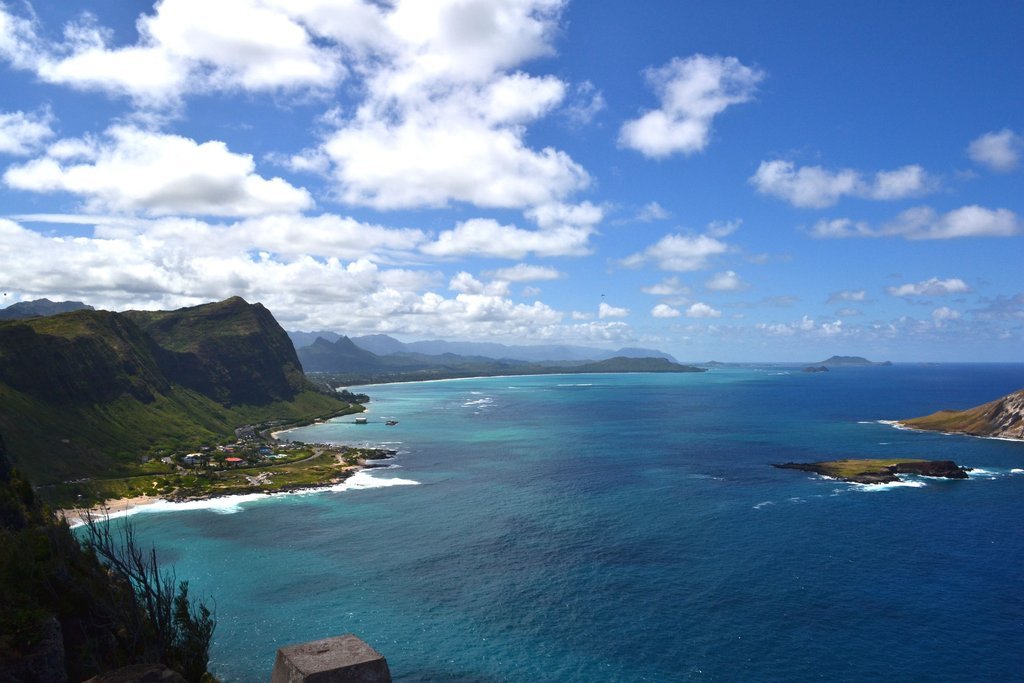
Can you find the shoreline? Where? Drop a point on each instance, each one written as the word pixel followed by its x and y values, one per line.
pixel 896 424
pixel 123 507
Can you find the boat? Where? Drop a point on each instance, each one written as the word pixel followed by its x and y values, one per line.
pixel 391 423
pixel 360 420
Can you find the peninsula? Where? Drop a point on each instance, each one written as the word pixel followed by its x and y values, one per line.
pixel 878 471
pixel 1002 419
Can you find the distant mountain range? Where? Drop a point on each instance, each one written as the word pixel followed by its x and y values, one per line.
pixel 41 307
pixel 350 363
pixel 384 345
pixel 90 393
pixel 836 361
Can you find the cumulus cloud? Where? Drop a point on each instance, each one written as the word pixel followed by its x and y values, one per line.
pixel 22 133
pixel 727 281
pixel 930 287
pixel 145 265
pixel 925 223
pixel 944 313
pixel 187 46
pixel 818 187
pixel 133 170
pixel 998 151
pixel 693 91
pixel 665 311
pixel 679 252
pixel 702 310
pixel 488 237
pixel 670 286
pixel 606 310
pixel 444 111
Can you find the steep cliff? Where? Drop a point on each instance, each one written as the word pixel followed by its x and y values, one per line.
pixel 92 393
pixel 1002 418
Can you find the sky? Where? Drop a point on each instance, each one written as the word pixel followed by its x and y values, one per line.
pixel 720 180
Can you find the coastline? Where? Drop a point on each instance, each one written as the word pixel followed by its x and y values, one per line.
pixel 352 477
pixel 897 424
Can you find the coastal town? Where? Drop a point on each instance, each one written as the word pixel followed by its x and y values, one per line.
pixel 256 461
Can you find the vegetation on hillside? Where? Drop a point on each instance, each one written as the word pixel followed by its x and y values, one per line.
pixel 69 612
pixel 95 393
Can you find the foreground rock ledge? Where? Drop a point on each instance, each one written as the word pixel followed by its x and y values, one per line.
pixel 879 471
pixel 343 659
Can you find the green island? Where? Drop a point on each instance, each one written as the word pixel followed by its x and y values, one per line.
pixel 879 470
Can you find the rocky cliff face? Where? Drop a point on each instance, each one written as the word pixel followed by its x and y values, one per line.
pixel 231 351
pixel 1003 418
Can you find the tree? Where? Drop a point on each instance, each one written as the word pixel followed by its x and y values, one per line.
pixel 171 628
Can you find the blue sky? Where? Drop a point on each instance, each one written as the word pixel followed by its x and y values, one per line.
pixel 720 180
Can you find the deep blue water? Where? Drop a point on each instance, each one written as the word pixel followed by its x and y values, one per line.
pixel 629 528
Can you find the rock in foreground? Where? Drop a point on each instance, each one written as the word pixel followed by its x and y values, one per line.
pixel 878 471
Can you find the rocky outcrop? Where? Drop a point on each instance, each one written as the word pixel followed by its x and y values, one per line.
pixel 1002 418
pixel 876 471
pixel 815 368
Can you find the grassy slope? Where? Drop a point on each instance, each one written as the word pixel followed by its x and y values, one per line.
pixel 972 421
pixel 111 439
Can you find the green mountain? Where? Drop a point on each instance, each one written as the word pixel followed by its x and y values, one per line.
pixel 40 307
pixel 1003 418
pixel 94 393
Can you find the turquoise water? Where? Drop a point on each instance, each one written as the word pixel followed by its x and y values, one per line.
pixel 629 528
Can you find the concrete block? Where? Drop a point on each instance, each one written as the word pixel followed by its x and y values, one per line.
pixel 343 659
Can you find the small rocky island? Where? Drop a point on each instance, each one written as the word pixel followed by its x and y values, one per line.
pixel 815 368
pixel 878 471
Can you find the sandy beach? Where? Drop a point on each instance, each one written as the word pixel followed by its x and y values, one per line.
pixel 111 508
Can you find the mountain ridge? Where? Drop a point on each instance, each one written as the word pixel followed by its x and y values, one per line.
pixel 91 393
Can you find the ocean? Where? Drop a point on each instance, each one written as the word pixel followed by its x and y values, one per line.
pixel 630 528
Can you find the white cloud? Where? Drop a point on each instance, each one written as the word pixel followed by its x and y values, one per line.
pixel 679 253
pixel 606 310
pixel 488 237
pixel 692 92
pixel 444 112
pixel 727 281
pixel 668 287
pixel 944 313
pixel 586 103
pixel 525 272
pixel 186 46
pixel 817 187
pixel 848 295
pixel 157 174
pixel 997 151
pixel 444 152
pixel 22 133
pixel 702 310
pixel 151 268
pixel 652 211
pixel 924 223
pixel 467 284
pixel 840 228
pixel 931 287
pixel 665 311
